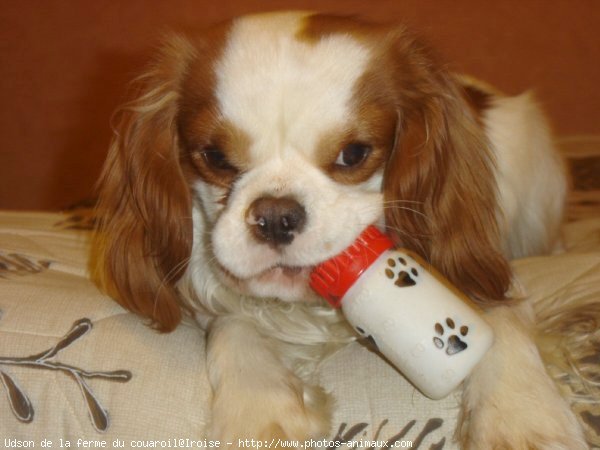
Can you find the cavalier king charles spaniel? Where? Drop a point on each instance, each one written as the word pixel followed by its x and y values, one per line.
pixel 260 147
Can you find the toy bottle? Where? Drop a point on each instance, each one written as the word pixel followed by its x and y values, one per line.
pixel 421 323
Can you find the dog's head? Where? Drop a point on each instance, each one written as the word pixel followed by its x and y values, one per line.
pixel 267 144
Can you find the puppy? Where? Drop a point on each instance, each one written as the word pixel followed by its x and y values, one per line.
pixel 258 148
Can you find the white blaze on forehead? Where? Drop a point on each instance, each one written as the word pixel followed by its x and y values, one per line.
pixel 283 91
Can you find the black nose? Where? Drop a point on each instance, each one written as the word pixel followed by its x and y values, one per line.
pixel 275 221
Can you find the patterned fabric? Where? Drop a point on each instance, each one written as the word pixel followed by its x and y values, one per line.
pixel 19 401
pixel 73 363
pixel 583 156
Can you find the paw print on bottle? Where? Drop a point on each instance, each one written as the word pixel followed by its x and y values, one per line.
pixel 449 338
pixel 401 273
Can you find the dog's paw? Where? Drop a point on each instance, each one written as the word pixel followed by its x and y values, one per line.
pixel 492 427
pixel 276 416
pixel 517 413
pixel 509 401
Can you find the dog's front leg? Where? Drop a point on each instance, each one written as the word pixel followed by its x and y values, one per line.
pixel 510 402
pixel 254 395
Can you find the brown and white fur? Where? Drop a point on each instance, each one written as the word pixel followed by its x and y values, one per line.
pixel 263 146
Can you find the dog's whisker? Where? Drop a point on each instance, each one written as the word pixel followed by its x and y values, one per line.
pixel 412 210
pixel 168 278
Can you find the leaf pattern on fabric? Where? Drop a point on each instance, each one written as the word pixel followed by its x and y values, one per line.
pixel 358 432
pixel 81 217
pixel 18 400
pixel 78 330
pixel 20 403
pixel 15 264
pixel 98 414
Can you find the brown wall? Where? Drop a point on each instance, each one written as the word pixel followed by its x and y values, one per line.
pixel 65 65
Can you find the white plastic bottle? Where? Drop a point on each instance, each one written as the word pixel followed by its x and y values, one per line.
pixel 421 323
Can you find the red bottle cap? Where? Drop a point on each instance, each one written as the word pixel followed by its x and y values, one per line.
pixel 332 279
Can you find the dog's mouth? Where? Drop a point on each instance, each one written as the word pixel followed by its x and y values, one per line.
pixel 283 273
pixel 288 283
pixel 276 270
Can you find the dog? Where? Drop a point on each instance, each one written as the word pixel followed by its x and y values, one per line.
pixel 258 148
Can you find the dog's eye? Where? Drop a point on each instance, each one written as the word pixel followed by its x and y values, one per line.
pixel 216 159
pixel 353 155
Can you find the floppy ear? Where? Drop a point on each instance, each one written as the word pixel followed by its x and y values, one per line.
pixel 144 235
pixel 439 183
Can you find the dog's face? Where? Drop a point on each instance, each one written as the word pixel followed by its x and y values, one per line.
pixel 283 136
pixel 289 151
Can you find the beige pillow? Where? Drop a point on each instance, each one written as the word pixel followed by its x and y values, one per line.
pixel 77 366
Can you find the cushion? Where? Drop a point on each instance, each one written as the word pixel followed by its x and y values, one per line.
pixel 76 366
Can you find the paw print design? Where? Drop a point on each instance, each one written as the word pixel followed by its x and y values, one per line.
pixel 368 338
pixel 452 342
pixel 399 270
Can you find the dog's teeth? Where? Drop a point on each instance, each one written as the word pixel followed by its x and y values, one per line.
pixel 291 270
pixel 288 271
